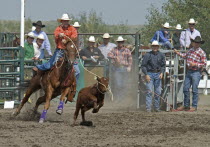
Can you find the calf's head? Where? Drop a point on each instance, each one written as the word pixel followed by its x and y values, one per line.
pixel 103 84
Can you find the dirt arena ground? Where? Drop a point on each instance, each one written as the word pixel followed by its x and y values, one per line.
pixel 114 126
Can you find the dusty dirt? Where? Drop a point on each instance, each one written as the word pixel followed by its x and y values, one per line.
pixel 114 127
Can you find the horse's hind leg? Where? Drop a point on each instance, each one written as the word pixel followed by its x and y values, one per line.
pixel 28 93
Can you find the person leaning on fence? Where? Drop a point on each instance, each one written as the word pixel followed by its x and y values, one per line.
pixel 38 47
pixel 107 45
pixel 60 40
pixel 190 33
pixel 121 60
pixel 176 37
pixel 91 55
pixel 46 44
pixel 80 41
pixel 80 45
pixel 28 46
pixel 196 61
pixel 163 37
pixel 153 66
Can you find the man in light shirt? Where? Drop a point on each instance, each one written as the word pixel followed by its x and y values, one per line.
pixel 190 33
pixel 38 47
pixel 46 43
pixel 107 46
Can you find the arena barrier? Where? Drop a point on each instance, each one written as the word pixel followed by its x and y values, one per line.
pixel 11 73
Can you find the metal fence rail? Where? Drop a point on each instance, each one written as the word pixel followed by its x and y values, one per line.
pixel 11 73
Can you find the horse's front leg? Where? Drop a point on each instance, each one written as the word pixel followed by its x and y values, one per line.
pixel 49 93
pixel 62 98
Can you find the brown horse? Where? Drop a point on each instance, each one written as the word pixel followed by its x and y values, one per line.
pixel 60 80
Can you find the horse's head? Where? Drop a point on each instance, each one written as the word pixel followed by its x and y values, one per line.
pixel 103 84
pixel 71 50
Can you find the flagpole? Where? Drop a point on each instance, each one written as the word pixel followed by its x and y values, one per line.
pixel 22 24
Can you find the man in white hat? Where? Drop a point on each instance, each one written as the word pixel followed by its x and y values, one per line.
pixel 176 37
pixel 153 66
pixel 163 37
pixel 46 44
pixel 91 55
pixel 107 45
pixel 65 29
pixel 38 47
pixel 28 46
pixel 80 41
pixel 189 34
pixel 121 59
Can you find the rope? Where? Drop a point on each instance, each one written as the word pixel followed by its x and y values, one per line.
pixel 157 95
pixel 108 88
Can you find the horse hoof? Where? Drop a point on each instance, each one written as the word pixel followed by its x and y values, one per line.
pixel 59 111
pixel 15 113
pixel 41 120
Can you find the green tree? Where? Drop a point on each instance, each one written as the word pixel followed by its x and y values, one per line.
pixel 180 11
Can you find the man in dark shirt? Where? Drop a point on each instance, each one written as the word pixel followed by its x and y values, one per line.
pixel 176 37
pixel 91 55
pixel 153 66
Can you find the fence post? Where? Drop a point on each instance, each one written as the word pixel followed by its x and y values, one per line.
pixel 22 53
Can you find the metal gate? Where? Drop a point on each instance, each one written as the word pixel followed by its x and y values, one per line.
pixel 11 73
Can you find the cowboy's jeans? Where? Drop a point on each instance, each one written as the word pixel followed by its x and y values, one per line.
pixel 42 54
pixel 56 56
pixel 77 71
pixel 191 79
pixel 120 78
pixel 156 83
pixel 168 45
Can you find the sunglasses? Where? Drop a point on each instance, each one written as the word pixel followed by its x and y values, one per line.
pixel 191 24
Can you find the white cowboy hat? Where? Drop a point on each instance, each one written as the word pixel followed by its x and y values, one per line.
pixel 106 35
pixel 40 36
pixel 33 28
pixel 91 39
pixel 192 21
pixel 178 27
pixel 64 17
pixel 30 34
pixel 76 25
pixel 166 25
pixel 155 43
pixel 120 38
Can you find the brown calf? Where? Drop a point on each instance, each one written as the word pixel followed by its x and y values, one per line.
pixel 91 97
